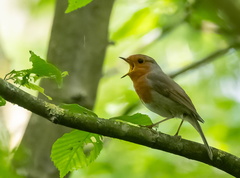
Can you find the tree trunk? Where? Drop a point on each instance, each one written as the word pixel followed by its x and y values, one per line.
pixel 77 45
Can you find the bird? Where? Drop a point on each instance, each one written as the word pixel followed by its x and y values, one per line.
pixel 162 95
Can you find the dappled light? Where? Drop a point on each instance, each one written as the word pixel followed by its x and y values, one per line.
pixel 195 42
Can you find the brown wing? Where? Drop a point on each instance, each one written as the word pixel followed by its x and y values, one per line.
pixel 167 87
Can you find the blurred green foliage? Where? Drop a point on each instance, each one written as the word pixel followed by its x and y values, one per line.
pixel 176 33
pixel 6 169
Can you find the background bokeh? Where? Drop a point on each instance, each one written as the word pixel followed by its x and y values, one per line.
pixel 176 33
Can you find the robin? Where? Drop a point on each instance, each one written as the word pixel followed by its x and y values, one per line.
pixel 162 95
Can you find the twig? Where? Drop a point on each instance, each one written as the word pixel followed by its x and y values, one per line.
pixel 205 60
pixel 143 136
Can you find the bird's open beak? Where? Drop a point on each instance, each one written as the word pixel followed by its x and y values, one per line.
pixel 131 66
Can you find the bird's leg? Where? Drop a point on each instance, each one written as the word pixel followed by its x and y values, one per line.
pixel 155 124
pixel 176 134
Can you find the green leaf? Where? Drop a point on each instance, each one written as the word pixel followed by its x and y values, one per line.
pixel 2 101
pixel 138 118
pixel 40 69
pixel 44 69
pixel 19 77
pixel 37 88
pixel 77 109
pixel 75 150
pixel 64 74
pixel 76 4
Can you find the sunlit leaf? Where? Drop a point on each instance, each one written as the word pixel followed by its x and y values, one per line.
pixel 141 22
pixel 76 4
pixel 64 74
pixel 19 77
pixel 75 150
pixel 2 101
pixel 77 109
pixel 37 88
pixel 138 118
pixel 42 68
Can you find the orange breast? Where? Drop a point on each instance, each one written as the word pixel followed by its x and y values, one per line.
pixel 143 89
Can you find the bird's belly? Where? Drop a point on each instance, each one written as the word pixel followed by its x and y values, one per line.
pixel 164 107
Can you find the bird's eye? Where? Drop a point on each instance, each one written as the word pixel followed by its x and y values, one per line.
pixel 140 61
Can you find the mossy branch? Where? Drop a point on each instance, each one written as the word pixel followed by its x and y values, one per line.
pixel 111 128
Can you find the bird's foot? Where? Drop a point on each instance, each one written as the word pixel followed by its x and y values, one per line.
pixel 155 125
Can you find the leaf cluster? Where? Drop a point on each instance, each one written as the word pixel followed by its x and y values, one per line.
pixel 40 69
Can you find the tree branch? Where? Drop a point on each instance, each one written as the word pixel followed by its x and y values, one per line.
pixel 143 136
pixel 205 60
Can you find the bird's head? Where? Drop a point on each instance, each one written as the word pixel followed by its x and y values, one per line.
pixel 139 65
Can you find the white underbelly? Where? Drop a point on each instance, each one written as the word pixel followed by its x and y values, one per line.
pixel 165 107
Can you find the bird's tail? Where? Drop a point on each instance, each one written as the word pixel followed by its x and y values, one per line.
pixel 197 126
